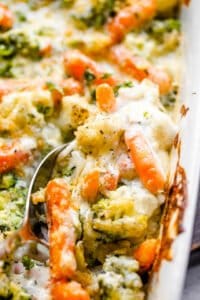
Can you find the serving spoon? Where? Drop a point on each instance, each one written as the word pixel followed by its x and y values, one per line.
pixel 32 229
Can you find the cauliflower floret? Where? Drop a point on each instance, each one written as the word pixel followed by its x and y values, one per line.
pixel 25 108
pixel 164 130
pixel 91 42
pixel 99 134
pixel 120 280
pixel 43 101
pixel 142 200
pixel 121 264
pixel 17 110
pixel 74 112
pixel 52 135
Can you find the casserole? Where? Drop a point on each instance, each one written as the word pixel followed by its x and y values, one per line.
pixel 103 136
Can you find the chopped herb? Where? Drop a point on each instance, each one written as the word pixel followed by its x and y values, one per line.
pixel 93 95
pixel 106 75
pixel 68 172
pixel 67 3
pixel 54 87
pixel 89 77
pixel 173 24
pixel 4 227
pixel 126 84
pixel 46 110
pixel 21 16
pixel 48 31
pixel 28 262
pixel 169 100
pixel 51 85
pixel 146 115
pixel 6 70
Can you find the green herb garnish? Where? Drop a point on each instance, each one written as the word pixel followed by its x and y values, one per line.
pixel 28 262
pixel 89 77
pixel 126 84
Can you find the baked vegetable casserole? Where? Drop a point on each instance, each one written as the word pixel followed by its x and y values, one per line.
pixel 102 76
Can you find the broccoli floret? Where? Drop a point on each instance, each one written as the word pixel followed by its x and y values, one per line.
pixel 97 15
pixel 5 67
pixel 119 280
pixel 12 203
pixel 10 290
pixel 7 181
pixel 118 219
pixel 158 28
pixel 14 43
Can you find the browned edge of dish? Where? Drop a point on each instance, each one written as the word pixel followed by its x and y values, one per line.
pixel 175 205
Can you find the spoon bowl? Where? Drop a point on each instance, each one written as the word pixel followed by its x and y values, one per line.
pixel 33 229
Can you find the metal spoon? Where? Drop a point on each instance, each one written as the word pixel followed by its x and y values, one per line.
pixel 32 229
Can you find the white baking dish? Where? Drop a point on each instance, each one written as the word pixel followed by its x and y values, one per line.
pixel 168 282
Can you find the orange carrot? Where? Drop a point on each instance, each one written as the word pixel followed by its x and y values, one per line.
pixel 71 86
pixel 76 64
pixel 61 229
pixel 91 186
pixel 126 168
pixel 105 98
pixel 66 87
pixel 139 68
pixel 110 181
pixel 58 194
pixel 6 17
pixel 145 253
pixel 131 17
pixel 106 79
pixel 145 160
pixel 161 78
pixel 72 290
pixel 11 156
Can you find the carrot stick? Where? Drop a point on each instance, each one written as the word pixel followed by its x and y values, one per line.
pixel 131 17
pixel 145 160
pixel 91 186
pixel 139 68
pixel 72 290
pixel 61 229
pixel 105 98
pixel 145 253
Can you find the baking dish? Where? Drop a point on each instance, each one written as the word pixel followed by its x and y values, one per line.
pixel 168 282
pixel 157 290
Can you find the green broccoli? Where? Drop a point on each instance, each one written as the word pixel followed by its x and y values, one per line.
pixel 118 219
pixel 10 290
pixel 119 280
pixel 97 15
pixel 158 28
pixel 12 204
pixel 7 180
pixel 13 43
